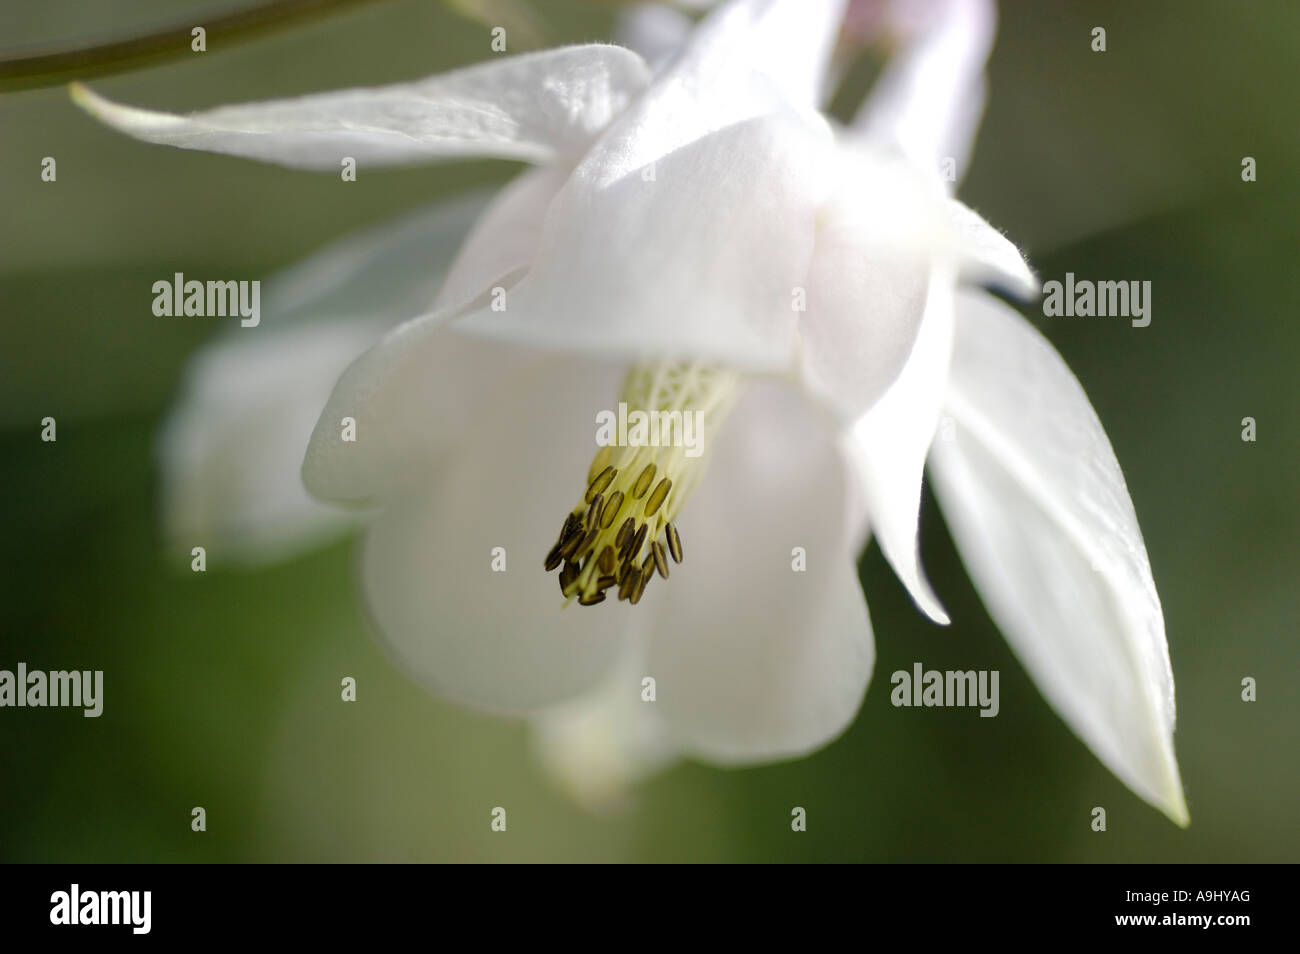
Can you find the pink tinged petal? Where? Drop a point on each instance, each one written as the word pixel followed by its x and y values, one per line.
pixel 889 444
pixel 535 107
pixel 928 101
pixel 498 640
pixel 1040 513
pixel 753 660
pixel 701 258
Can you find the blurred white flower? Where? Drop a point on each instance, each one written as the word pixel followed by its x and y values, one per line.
pixel 231 450
pixel 710 228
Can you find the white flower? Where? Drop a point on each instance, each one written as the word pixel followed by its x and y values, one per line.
pixel 672 224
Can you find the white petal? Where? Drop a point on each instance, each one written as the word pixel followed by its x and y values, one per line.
pixel 500 640
pixel 688 226
pixel 989 257
pixel 232 448
pixel 702 258
pixel 1040 512
pixel 599 746
pixel 865 303
pixel 748 59
pixel 928 100
pixel 387 273
pixel 890 442
pixel 891 203
pixel 504 241
pixel 413 397
pixel 882 232
pixel 534 107
pixel 754 660
pixel 888 205
pixel 422 365
pixel 757 50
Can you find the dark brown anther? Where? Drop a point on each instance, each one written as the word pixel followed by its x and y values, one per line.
pixel 674 544
pixel 612 507
pixel 643 481
pixel 571 546
pixel 657 497
pixel 625 533
pixel 598 463
pixel 591 599
pixel 660 558
pixel 568 575
pixel 605 562
pixel 574 531
pixel 642 579
pixel 603 480
pixel 625 551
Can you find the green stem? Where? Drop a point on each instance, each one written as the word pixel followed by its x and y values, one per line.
pixel 52 67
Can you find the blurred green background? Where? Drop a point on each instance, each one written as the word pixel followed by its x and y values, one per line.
pixel 222 688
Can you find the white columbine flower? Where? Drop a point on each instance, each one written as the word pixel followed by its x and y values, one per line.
pixel 704 239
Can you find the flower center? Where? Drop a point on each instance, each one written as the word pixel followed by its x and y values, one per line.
pixel 652 455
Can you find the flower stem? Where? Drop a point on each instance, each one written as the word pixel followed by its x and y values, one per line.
pixel 50 67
